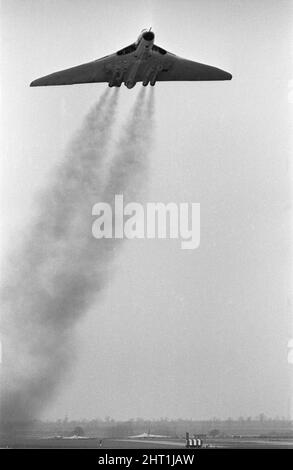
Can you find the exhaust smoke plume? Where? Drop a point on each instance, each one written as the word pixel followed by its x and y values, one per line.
pixel 130 163
pixel 60 268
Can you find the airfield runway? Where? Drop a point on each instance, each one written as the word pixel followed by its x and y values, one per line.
pixel 94 443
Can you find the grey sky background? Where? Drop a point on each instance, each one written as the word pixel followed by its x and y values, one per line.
pixel 177 333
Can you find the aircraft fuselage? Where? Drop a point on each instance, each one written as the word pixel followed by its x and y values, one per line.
pixel 130 64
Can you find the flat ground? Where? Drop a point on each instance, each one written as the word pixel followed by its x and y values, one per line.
pixel 228 443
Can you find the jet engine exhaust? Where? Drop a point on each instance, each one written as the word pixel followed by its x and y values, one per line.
pixel 51 279
pixel 128 172
pixel 60 269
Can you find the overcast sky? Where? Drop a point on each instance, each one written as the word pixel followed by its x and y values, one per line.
pixel 177 333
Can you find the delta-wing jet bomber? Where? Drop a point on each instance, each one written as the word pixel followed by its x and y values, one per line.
pixel 142 61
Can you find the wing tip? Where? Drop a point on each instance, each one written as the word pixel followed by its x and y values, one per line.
pixel 37 82
pixel 226 75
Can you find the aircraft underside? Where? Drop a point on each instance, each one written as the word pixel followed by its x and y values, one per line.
pixel 142 61
pixel 145 73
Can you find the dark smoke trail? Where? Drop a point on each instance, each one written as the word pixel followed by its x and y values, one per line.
pixel 47 288
pixel 61 268
pixel 130 162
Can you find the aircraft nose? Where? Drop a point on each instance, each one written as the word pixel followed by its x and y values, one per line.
pixel 148 36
